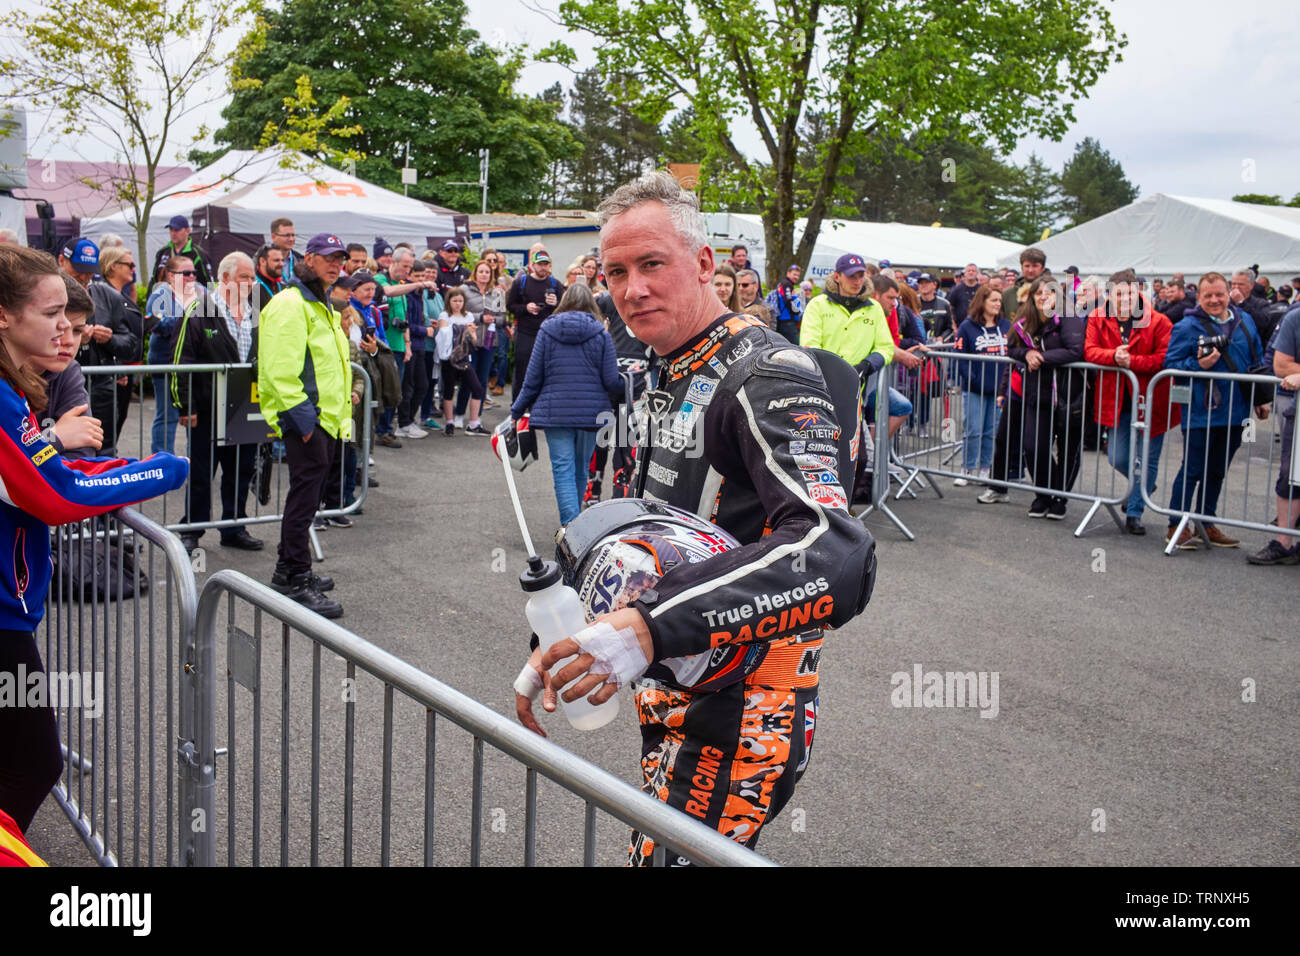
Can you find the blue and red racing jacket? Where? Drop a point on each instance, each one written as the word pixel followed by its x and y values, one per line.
pixel 39 488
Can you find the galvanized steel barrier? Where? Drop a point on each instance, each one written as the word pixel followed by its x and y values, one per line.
pixel 173 510
pixel 934 433
pixel 1203 470
pixel 307 798
pixel 122 788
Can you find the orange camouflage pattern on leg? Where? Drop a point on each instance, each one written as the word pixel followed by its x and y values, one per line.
pixel 766 730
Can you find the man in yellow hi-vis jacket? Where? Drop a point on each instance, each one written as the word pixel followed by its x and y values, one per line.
pixel 304 380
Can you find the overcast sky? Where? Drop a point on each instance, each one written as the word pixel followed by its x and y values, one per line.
pixel 1207 95
pixel 1204 87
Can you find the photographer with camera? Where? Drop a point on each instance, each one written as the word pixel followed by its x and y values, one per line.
pixel 1215 336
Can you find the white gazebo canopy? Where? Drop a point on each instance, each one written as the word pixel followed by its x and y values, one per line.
pixel 1162 234
pixel 252 188
pixel 933 247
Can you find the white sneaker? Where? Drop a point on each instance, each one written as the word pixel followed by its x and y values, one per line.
pixel 961 482
pixel 399 431
pixel 460 421
pixel 372 461
pixel 992 497
pixel 415 431
pixel 983 474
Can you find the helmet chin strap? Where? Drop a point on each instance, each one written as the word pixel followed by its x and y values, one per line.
pixel 519 510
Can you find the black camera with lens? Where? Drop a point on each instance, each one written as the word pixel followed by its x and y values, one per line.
pixel 1206 344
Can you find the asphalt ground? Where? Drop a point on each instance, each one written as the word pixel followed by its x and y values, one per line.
pixel 1146 710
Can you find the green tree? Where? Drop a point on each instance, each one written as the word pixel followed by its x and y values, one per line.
pixel 122 75
pixel 413 73
pixel 879 68
pixel 1032 202
pixel 615 142
pixel 1259 199
pixel 1093 183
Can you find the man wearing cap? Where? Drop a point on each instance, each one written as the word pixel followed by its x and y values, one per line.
pixel 787 304
pixel 935 311
pixel 450 272
pixel 178 227
pixel 304 379
pixel 531 299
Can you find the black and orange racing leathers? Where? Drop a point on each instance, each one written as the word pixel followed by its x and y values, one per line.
pixel 738 427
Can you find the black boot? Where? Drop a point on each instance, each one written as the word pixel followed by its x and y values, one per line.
pixel 300 588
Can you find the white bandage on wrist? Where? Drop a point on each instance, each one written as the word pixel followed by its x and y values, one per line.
pixel 528 683
pixel 617 653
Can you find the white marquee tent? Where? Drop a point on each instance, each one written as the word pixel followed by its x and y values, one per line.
pixel 934 247
pixel 1162 234
pixel 240 193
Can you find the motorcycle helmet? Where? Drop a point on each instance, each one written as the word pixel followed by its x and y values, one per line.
pixel 616 550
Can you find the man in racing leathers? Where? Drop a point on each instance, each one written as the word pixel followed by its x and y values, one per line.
pixel 740 430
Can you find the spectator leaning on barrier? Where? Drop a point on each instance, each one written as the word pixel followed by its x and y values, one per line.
pixel 904 334
pixel 109 340
pixel 303 378
pixel 181 244
pixel 1285 548
pixel 845 321
pixel 117 267
pixel 1043 341
pixel 1129 333
pixel 42 488
pixel 984 333
pixel 76 433
pixel 219 327
pixel 395 285
pixel 166 306
pixel 568 384
pixel 1218 410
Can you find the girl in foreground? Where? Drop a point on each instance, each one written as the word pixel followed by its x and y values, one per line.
pixel 39 488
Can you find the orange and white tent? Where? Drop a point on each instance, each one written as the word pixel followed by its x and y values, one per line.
pixel 244 190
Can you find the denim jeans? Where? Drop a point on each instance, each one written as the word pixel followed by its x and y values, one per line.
pixel 165 417
pixel 570 450
pixel 1118 455
pixel 1206 456
pixel 980 426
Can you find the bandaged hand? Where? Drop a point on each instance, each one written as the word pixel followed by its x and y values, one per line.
pixel 617 652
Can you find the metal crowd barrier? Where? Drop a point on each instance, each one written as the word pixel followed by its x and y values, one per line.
pixel 119 639
pixel 1248 490
pixel 135 439
pixel 345 796
pixel 929 443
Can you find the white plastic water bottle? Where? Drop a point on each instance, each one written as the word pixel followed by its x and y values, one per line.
pixel 555 612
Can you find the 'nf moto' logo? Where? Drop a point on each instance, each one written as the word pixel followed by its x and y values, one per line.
pixel 76 909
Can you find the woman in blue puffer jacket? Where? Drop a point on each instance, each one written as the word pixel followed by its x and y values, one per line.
pixel 567 386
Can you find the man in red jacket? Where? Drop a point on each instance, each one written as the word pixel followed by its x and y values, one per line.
pixel 1128 333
